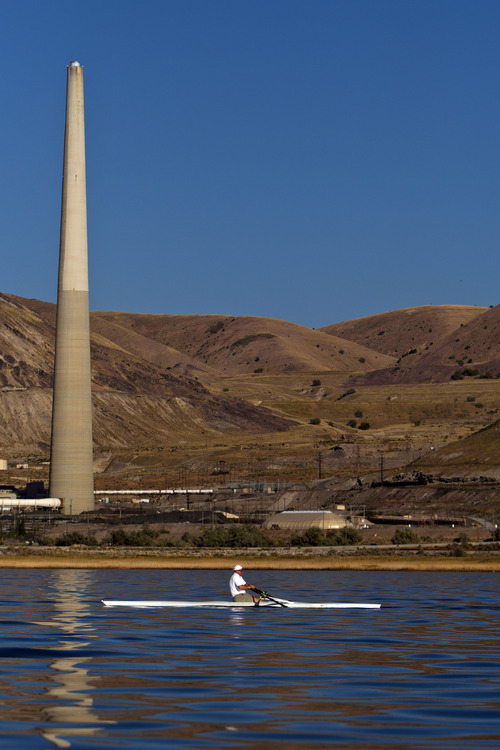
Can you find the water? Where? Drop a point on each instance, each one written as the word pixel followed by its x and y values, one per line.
pixel 423 672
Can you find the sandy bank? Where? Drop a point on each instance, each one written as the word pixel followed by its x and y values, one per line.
pixel 409 558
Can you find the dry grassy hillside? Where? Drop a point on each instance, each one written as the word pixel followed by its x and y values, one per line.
pixel 398 332
pixel 478 454
pixel 246 345
pixel 470 350
pixel 186 398
pixel 26 346
pixel 138 401
pixel 475 344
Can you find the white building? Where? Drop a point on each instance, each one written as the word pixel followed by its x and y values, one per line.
pixel 301 520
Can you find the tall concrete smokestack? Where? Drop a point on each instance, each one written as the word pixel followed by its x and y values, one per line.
pixel 71 470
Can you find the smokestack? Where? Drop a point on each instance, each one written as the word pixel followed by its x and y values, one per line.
pixel 71 468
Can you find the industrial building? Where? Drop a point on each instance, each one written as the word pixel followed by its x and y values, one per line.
pixel 22 503
pixel 301 520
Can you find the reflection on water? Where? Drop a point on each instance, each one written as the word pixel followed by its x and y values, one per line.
pixel 423 672
pixel 70 696
pixel 237 619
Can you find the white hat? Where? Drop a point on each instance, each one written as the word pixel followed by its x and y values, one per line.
pixel 237 567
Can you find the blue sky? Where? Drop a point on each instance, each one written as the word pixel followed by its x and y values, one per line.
pixel 312 160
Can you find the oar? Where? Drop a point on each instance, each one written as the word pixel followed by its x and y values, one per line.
pixel 265 595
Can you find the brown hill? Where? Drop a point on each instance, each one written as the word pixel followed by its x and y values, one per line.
pixel 195 391
pixel 470 350
pixel 245 345
pixel 474 456
pixel 125 339
pixel 137 400
pixel 475 344
pixel 398 332
pixel 26 348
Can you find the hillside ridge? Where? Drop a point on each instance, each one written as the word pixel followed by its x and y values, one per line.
pixel 209 395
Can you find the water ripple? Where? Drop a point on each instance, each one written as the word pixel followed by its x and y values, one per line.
pixel 423 672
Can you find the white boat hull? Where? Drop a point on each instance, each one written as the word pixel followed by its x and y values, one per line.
pixel 280 603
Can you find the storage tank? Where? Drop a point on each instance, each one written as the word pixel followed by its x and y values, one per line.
pixel 19 503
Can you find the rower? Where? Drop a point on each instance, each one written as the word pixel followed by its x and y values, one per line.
pixel 237 586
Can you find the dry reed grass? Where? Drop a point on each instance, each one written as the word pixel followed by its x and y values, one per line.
pixel 364 562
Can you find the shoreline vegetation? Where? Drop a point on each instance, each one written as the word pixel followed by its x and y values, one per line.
pixel 410 558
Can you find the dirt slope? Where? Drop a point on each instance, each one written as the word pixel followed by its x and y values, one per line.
pixel 400 331
pixel 247 344
pixel 478 454
pixel 469 350
pixel 198 388
pixel 137 400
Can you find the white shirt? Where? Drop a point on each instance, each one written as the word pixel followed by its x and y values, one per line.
pixel 235 581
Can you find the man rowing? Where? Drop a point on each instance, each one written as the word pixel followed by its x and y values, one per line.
pixel 238 587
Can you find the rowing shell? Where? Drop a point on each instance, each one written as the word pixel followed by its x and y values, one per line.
pixel 264 603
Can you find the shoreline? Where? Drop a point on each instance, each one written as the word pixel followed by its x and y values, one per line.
pixel 222 559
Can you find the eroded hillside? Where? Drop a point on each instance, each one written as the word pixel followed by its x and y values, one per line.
pixel 137 400
pixel 399 332
pixel 470 350
pixel 246 345
pixel 193 397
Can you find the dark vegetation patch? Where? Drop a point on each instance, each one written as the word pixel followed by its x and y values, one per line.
pixel 216 327
pixel 315 537
pixel 253 337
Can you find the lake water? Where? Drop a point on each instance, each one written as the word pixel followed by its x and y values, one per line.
pixel 422 672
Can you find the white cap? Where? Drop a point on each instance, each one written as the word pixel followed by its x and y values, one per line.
pixel 237 567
